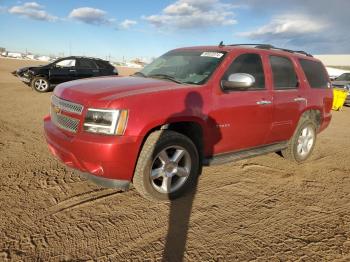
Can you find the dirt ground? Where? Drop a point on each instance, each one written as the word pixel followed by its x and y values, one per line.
pixel 262 209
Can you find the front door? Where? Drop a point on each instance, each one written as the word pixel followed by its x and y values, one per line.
pixel 243 117
pixel 63 71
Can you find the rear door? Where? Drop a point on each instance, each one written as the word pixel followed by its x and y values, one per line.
pixel 62 71
pixel 86 68
pixel 288 98
pixel 243 117
pixel 105 68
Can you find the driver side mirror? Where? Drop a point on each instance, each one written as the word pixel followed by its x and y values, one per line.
pixel 238 81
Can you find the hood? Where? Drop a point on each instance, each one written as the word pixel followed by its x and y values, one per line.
pixel 104 90
pixel 340 83
pixel 22 69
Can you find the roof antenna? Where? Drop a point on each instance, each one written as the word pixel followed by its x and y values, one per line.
pixel 221 44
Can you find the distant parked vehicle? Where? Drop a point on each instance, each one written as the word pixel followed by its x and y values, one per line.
pixel 343 81
pixel 45 78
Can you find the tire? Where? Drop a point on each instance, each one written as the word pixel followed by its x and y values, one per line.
pixel 166 155
pixel 303 141
pixel 40 84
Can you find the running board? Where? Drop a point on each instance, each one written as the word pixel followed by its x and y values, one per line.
pixel 244 154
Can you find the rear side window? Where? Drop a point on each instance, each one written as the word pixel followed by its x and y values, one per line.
pixel 315 73
pixel 103 64
pixel 284 76
pixel 86 63
pixel 249 64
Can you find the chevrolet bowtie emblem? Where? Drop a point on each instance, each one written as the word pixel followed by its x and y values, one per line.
pixel 57 109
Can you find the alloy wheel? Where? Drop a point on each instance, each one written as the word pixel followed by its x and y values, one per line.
pixel 41 85
pixel 170 169
pixel 305 141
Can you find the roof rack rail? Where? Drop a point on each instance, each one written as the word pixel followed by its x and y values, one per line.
pixel 267 46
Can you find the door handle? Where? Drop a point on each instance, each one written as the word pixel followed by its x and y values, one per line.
pixel 71 70
pixel 263 102
pixel 95 70
pixel 298 99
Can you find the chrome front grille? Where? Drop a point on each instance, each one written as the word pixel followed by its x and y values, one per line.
pixel 67 106
pixel 58 107
pixel 65 122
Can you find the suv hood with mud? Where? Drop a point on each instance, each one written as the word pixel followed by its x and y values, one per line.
pixel 107 89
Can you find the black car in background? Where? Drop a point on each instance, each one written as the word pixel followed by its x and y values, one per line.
pixel 45 78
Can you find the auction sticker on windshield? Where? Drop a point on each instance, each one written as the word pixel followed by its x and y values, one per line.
pixel 212 54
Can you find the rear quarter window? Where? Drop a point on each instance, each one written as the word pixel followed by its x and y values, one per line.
pixel 315 73
pixel 103 64
pixel 86 63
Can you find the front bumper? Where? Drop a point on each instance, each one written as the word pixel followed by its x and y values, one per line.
pixel 106 182
pixel 107 160
pixel 24 79
pixel 347 100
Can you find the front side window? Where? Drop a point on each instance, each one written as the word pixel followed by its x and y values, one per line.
pixel 192 67
pixel 248 64
pixel 315 73
pixel 284 76
pixel 66 63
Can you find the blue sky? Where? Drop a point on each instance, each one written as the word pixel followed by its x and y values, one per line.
pixel 148 28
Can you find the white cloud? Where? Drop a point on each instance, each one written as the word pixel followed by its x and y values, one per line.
pixel 287 26
pixel 126 24
pixel 32 10
pixel 185 14
pixel 332 16
pixel 33 5
pixel 90 15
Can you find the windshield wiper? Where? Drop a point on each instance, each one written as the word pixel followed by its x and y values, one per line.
pixel 163 76
pixel 139 74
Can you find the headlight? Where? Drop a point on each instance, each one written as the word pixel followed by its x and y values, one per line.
pixel 347 87
pixel 108 122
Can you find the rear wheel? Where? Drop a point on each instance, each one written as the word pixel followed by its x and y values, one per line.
pixel 167 167
pixel 302 143
pixel 40 84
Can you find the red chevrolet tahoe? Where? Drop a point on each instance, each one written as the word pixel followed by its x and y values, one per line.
pixel 190 107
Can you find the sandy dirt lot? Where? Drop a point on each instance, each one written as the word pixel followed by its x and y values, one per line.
pixel 262 209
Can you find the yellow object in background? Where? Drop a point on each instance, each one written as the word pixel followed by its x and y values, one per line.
pixel 339 96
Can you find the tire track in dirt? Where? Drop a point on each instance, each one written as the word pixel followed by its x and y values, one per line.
pixel 81 200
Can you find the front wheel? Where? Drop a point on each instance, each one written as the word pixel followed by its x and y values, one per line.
pixel 167 167
pixel 40 84
pixel 302 143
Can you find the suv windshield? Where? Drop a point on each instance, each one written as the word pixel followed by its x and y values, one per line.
pixel 191 67
pixel 343 77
